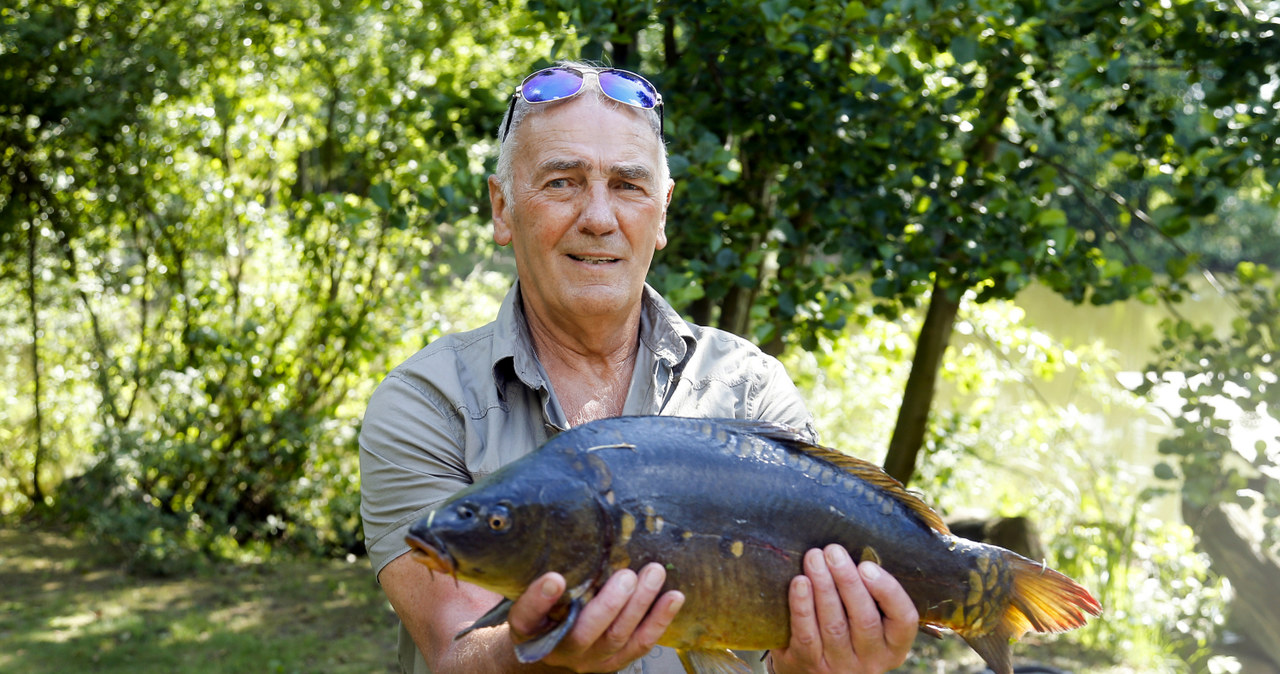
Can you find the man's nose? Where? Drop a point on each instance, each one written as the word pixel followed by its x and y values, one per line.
pixel 597 216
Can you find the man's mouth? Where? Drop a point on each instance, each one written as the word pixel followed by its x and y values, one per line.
pixel 593 259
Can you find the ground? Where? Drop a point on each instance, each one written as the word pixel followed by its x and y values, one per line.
pixel 63 609
pixel 60 611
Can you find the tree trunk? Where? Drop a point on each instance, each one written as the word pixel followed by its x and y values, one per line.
pixel 913 416
pixel 701 310
pixel 33 306
pixel 735 311
pixel 1234 543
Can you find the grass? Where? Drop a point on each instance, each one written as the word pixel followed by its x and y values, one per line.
pixel 64 610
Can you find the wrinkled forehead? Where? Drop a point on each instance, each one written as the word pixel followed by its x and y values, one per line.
pixel 585 125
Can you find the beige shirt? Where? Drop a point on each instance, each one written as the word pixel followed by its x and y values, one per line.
pixel 471 402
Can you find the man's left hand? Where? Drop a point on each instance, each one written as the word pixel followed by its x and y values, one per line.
pixel 836 621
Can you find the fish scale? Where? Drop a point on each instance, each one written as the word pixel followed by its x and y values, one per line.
pixel 729 508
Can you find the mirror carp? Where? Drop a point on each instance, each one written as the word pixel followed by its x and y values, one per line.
pixel 729 507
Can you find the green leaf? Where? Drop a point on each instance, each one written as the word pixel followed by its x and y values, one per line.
pixel 381 195
pixel 964 49
pixel 1052 217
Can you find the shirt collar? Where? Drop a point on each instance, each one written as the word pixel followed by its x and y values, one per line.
pixel 662 331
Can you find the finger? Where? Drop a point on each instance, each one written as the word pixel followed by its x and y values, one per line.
pixel 834 650
pixel 649 582
pixel 830 608
pixel 657 613
pixel 657 621
pixel 861 610
pixel 528 614
pixel 804 619
pixel 803 652
pixel 601 611
pixel 901 618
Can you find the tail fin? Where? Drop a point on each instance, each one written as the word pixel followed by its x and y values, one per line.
pixel 1041 600
pixel 1045 600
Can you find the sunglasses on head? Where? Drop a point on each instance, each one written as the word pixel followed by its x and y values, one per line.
pixel 560 82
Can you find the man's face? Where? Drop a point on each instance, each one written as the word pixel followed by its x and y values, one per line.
pixel 587 210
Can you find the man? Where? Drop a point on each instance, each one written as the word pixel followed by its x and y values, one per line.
pixel 581 195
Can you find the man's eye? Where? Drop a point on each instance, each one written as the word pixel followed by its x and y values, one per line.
pixel 558 183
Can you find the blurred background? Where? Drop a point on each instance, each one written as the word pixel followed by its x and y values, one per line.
pixel 1017 251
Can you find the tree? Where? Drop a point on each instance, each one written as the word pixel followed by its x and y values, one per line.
pixel 225 203
pixel 936 148
pixel 1230 490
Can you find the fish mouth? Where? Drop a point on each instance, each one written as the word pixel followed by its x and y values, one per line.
pixel 431 554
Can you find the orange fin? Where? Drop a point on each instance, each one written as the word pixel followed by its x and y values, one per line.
pixel 864 470
pixel 1040 600
pixel 1047 600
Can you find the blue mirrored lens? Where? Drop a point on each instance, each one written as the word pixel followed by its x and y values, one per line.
pixel 551 84
pixel 629 88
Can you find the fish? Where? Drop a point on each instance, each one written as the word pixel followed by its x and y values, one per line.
pixel 729 507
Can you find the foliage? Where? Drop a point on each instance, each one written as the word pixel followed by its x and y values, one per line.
pixel 945 147
pixel 220 223
pixel 1226 441
pixel 1034 427
pixel 219 226
pixel 984 143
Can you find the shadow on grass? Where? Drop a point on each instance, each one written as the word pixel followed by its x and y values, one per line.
pixel 62 609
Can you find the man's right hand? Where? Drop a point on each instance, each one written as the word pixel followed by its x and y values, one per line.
pixel 613 629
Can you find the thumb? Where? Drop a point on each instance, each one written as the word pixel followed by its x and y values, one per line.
pixel 529 612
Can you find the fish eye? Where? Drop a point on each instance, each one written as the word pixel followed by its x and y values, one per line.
pixel 499 518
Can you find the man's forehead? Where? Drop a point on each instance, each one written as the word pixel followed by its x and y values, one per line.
pixel 586 134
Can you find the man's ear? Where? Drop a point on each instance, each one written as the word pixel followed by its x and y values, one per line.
pixel 498 204
pixel 662 224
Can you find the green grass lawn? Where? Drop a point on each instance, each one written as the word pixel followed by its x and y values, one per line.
pixel 62 611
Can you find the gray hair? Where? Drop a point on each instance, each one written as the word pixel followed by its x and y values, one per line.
pixel 507 146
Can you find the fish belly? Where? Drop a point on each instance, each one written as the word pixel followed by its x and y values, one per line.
pixel 735 593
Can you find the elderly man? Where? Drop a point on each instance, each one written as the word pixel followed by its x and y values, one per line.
pixel 581 195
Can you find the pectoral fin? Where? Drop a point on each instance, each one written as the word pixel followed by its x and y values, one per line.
pixel 494 617
pixel 869 554
pixel 538 647
pixel 713 662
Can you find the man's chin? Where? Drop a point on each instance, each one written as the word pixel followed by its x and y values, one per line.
pixel 603 301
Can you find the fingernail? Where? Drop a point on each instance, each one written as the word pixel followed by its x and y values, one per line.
pixel 836 556
pixel 628 581
pixel 676 602
pixel 870 570
pixel 549 588
pixel 802 589
pixel 653 578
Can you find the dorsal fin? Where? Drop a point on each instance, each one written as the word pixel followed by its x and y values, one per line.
pixel 864 470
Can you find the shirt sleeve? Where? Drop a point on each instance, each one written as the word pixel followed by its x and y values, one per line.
pixel 779 401
pixel 411 459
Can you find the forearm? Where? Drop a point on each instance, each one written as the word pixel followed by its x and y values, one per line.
pixel 486 651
